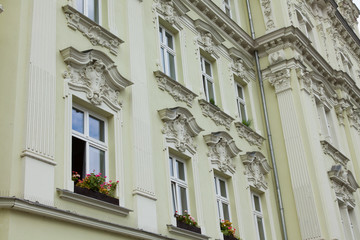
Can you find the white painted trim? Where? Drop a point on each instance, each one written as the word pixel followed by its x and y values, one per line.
pixel 36 156
pixel 186 233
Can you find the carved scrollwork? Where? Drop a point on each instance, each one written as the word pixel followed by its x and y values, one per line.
pixel 267 13
pixel 171 10
pixel 215 113
pixel 250 135
pixel 256 167
pixel 222 150
pixel 336 155
pixel 208 38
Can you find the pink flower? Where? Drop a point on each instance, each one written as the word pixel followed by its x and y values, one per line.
pixel 117 181
pixel 105 177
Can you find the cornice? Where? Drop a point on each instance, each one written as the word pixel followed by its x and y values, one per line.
pixel 174 88
pixel 250 135
pixel 216 114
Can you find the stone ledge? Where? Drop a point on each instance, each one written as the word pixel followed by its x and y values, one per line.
pixel 250 135
pixel 216 114
pixel 335 154
pixel 92 202
pixel 186 233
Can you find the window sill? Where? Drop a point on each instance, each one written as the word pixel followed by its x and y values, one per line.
pixel 334 153
pixel 96 34
pixel 186 233
pixel 174 88
pixel 215 113
pixel 92 202
pixel 250 135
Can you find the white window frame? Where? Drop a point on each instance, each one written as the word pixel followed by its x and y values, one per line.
pixel 258 214
pixel 205 78
pixel 165 62
pixel 177 183
pixel 220 200
pixel 86 9
pixel 241 101
pixel 89 141
pixel 227 6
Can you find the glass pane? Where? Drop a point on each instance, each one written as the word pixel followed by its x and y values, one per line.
pixel 204 84
pixel 260 228
pixel 77 120
pixel 240 92
pixel 96 11
pixel 243 113
pixel 226 211
pixel 216 188
pixel 183 199
pixel 171 66
pixel 96 160
pixel 171 167
pixel 93 10
pixel 160 34
pixel 208 69
pixel 181 170
pixel 96 128
pixel 223 188
pixel 169 40
pixel 211 91
pixel 202 62
pixel 227 11
pixel 163 59
pixel 80 6
pixel 218 205
pixel 257 203
pixel 173 193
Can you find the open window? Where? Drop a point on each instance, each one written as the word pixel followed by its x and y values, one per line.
pixel 208 80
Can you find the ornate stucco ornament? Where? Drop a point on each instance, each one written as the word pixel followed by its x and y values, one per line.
pixel 349 11
pixel 250 135
pixel 340 109
pixel 305 80
pixel 335 154
pixel 215 113
pixel 268 16
pixel 239 64
pixel 281 80
pixel 353 114
pixel 171 10
pixel 343 183
pixel 174 88
pixel 94 73
pixel 222 150
pixel 208 38
pixel 180 128
pixel 256 167
pixel 96 34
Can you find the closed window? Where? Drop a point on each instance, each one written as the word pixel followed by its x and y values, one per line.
pixel 227 9
pixel 240 99
pixel 90 8
pixel 258 216
pixel 208 80
pixel 179 186
pixel 167 52
pixel 89 143
pixel 222 198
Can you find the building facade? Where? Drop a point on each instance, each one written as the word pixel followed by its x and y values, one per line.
pixel 237 110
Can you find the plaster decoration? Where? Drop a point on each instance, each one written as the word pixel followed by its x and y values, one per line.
pixel 343 183
pixel 170 10
pixel 268 16
pixel 208 37
pixel 276 56
pixel 180 128
pixel 96 34
pixel 256 167
pixel 238 68
pixel 250 135
pixel 215 113
pixel 349 11
pixel 94 73
pixel 174 88
pixel 354 117
pixel 222 150
pixel 305 80
pixel 340 109
pixel 335 154
pixel 280 80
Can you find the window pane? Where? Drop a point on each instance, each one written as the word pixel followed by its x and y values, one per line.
pixel 205 90
pixel 183 199
pixel 243 113
pixel 163 59
pixel 171 166
pixel 208 69
pixel 257 203
pixel 96 160
pixel 160 34
pixel 216 188
pixel 173 194
pixel 211 90
pixel 260 228
pixel 240 92
pixel 226 211
pixel 77 120
pixel 96 128
pixel 80 5
pixel 169 40
pixel 222 188
pixel 181 170
pixel 93 10
pixel 218 205
pixel 171 66
pixel 78 156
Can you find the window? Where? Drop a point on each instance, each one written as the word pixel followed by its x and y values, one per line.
pixel 258 216
pixel 240 99
pixel 305 27
pixel 90 8
pixel 178 184
pixel 208 81
pixel 227 9
pixel 347 65
pixel 222 198
pixel 167 52
pixel 326 124
pixel 89 144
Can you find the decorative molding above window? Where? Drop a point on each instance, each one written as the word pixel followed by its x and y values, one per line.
pixel 84 200
pixel 256 167
pixel 215 113
pixel 171 10
pixel 180 128
pixel 222 150
pixel 186 233
pixel 209 38
pixel 354 117
pixel 94 73
pixel 268 16
pixel 174 88
pixel 343 183
pixel 340 109
pixel 93 31
pixel 336 155
pixel 250 135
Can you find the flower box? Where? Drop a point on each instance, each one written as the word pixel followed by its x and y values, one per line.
pixel 230 237
pixel 96 195
pixel 185 226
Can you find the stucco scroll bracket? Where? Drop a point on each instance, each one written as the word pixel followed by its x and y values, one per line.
pixel 216 114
